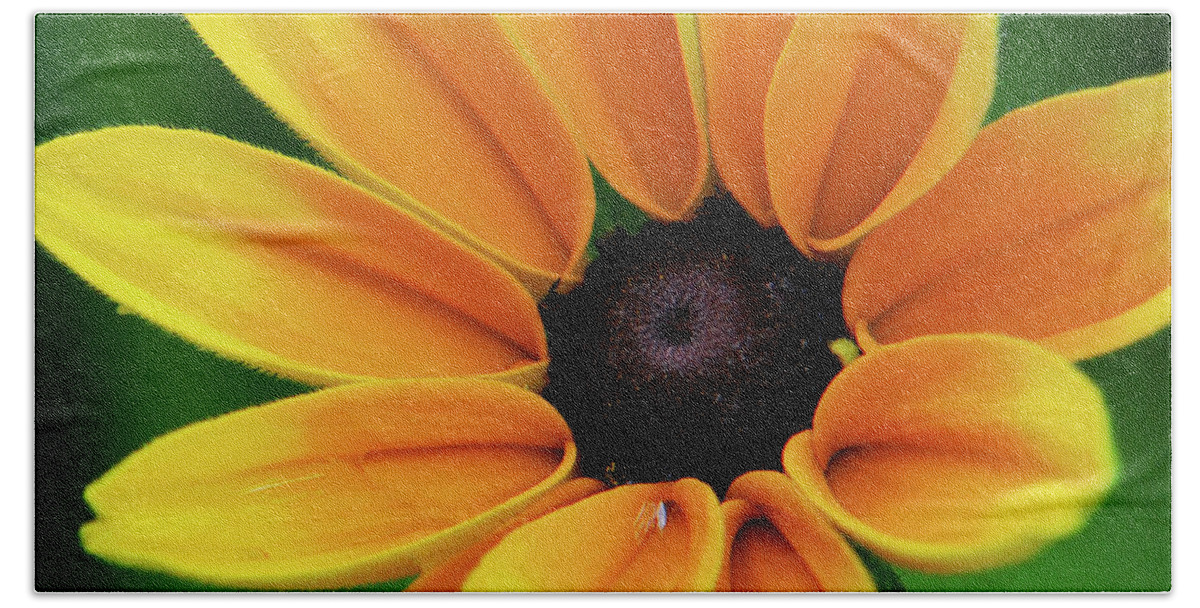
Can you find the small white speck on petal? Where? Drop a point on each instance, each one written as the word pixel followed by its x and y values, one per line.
pixel 652 515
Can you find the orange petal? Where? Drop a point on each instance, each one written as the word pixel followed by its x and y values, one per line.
pixel 336 488
pixel 956 453
pixel 271 261
pixel 739 53
pixel 436 113
pixel 866 112
pixel 776 540
pixel 648 537
pixel 630 87
pixel 450 576
pixel 1055 227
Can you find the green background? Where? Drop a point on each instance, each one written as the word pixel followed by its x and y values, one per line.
pixel 107 382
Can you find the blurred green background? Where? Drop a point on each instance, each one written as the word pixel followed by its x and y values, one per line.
pixel 107 382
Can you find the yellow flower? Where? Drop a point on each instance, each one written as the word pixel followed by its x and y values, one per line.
pixel 979 264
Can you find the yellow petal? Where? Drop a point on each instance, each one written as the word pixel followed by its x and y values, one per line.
pixel 648 537
pixel 450 575
pixel 740 52
pixel 1055 227
pixel 630 87
pixel 336 488
pixel 271 261
pixel 956 453
pixel 436 113
pixel 866 112
pixel 776 540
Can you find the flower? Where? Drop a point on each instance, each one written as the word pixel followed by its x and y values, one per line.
pixel 317 490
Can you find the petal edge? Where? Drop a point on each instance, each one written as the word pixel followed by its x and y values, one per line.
pixel 317 491
pixel 271 261
pixel 957 453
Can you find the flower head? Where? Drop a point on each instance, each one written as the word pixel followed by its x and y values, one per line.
pixel 962 439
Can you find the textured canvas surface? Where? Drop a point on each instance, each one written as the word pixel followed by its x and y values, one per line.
pixel 773 302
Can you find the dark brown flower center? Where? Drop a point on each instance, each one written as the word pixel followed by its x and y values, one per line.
pixel 693 349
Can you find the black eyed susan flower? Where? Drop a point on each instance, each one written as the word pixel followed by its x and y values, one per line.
pixel 976 266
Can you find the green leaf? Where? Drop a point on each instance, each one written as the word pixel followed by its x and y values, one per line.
pixel 95 71
pixel 613 211
pixel 1045 55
